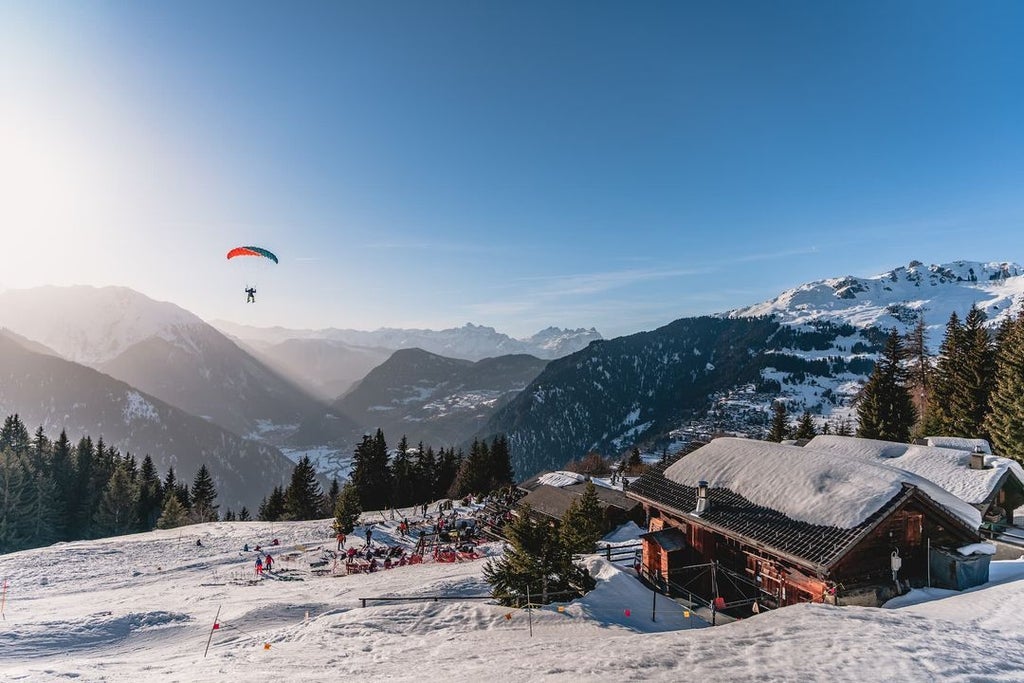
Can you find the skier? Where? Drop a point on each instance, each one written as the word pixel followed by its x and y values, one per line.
pixel 341 541
pixel 250 295
pixel 259 566
pixel 369 536
pixel 268 561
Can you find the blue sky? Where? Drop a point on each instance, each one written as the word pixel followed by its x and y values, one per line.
pixel 519 165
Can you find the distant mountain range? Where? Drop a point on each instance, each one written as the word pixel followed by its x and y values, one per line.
pixel 59 394
pixel 437 400
pixel 469 342
pixel 556 395
pixel 813 346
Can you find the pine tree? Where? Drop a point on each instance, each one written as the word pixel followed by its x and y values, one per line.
pixel 938 417
pixel 273 508
pixel 173 514
pixel 303 498
pixel 780 422
pixel 370 472
pixel 43 521
pixel 973 378
pixel 64 478
pixel 41 452
pixel 14 436
pixel 448 466
pixel 885 410
pixel 401 476
pixel 119 505
pixel 919 368
pixel 243 515
pixel 204 493
pixel 151 495
pixel 85 493
pixel 1005 422
pixel 582 525
pixel 15 531
pixel 805 427
pixel 474 474
pixel 501 473
pixel 535 562
pixel 425 479
pixel 229 516
pixel 347 509
pixel 331 499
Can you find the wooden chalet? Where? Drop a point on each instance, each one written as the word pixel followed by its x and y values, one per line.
pixel 550 494
pixel 785 524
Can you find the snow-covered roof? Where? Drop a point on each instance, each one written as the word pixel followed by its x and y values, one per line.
pixel 560 479
pixel 948 468
pixel 959 443
pixel 805 484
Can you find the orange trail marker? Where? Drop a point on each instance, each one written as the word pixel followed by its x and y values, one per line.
pixel 266 646
pixel 216 625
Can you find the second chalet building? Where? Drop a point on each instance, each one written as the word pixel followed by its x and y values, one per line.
pixel 790 524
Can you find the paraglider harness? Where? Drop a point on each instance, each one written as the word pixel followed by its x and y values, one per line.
pixel 250 295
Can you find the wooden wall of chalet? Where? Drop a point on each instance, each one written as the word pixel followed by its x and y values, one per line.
pixel 907 529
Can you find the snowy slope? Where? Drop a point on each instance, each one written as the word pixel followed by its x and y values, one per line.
pixel 894 299
pixel 141 608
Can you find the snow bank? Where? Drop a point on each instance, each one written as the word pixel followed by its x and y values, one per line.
pixel 806 484
pixel 560 479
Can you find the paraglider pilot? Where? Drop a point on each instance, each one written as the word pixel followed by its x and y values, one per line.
pixel 250 295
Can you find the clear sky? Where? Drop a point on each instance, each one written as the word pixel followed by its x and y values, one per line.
pixel 515 164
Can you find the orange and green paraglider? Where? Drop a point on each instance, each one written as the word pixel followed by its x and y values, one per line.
pixel 261 255
pixel 252 251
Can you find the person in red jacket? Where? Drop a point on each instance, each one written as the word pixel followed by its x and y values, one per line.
pixel 268 562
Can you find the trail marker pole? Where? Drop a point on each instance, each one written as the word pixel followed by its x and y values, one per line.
pixel 529 610
pixel 216 625
pixel 3 600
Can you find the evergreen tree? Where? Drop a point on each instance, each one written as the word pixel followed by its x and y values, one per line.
pixel 85 492
pixel 501 473
pixel 919 368
pixel 273 508
pixel 62 462
pixel 474 474
pixel 331 499
pixel 41 452
pixel 844 428
pixel 938 417
pixel 973 378
pixel 370 472
pixel 229 516
pixel 14 436
pixel 15 527
pixel 1005 422
pixel 204 493
pixel 151 495
pixel 43 521
pixel 402 476
pixel 535 562
pixel 634 463
pixel 425 475
pixel 582 525
pixel 347 509
pixel 303 498
pixel 448 465
pixel 780 422
pixel 119 505
pixel 243 515
pixel 173 514
pixel 805 427
pixel 885 410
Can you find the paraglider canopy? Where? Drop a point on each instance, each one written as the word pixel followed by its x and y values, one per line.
pixel 252 251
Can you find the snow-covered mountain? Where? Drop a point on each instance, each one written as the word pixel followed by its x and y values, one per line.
pixel 49 391
pixel 469 342
pixel 895 299
pixel 167 352
pixel 440 401
pixel 662 388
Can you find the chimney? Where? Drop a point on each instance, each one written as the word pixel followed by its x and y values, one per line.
pixel 702 499
pixel 977 459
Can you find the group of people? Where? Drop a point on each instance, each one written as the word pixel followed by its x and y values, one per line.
pixel 264 562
